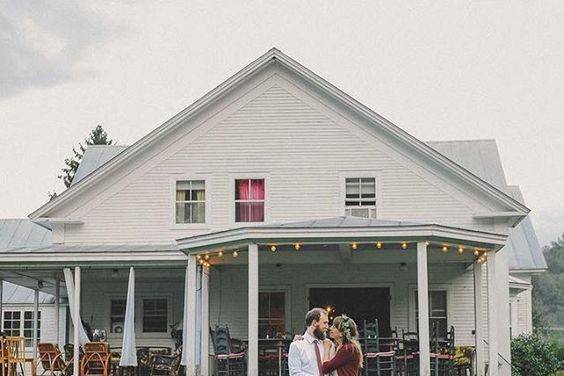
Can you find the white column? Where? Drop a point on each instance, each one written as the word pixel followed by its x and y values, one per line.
pixel 77 324
pixel 492 316
pixel 58 309
pixel 189 346
pixel 479 320
pixel 253 287
pixel 35 315
pixel 1 297
pixel 205 323
pixel 423 300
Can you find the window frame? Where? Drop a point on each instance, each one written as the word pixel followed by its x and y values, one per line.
pixel 287 300
pixel 357 174
pixel 251 176
pixel 142 311
pixel 22 320
pixel 172 209
pixel 413 299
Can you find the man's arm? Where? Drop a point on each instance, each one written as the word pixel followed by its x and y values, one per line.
pixel 294 361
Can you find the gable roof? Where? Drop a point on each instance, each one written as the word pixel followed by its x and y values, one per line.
pixel 275 56
pixel 94 157
pixel 481 157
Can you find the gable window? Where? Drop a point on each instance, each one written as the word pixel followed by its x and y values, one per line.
pixel 437 312
pixel 117 315
pixel 249 200
pixel 272 321
pixel 190 201
pixel 20 324
pixel 155 315
pixel 360 197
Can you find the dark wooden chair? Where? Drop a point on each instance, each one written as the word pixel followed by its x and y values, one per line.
pixel 230 356
pixel 379 353
pixel 51 359
pixel 442 352
pixel 408 358
pixel 163 363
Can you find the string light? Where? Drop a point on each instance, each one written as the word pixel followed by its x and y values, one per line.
pixel 235 253
pixel 476 252
pixel 427 242
pixel 460 250
pixel 198 257
pixel 207 257
pixel 404 245
pixel 354 245
pixel 297 246
pixel 207 264
pixel 445 248
pixel 273 248
pixel 378 245
pixel 220 253
pixel 201 262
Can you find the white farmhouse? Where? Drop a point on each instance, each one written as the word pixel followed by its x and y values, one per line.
pixel 276 192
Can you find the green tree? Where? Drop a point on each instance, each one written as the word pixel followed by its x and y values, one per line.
pixel 98 136
pixel 548 291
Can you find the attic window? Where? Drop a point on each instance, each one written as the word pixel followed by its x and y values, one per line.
pixel 360 197
pixel 191 201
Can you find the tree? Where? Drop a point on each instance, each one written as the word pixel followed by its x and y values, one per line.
pixel 98 136
pixel 548 291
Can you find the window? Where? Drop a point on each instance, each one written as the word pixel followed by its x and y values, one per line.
pixel 271 314
pixel 155 315
pixel 117 315
pixel 249 200
pixel 14 325
pixel 191 201
pixel 360 197
pixel 437 312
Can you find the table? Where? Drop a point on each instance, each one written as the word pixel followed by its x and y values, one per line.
pixel 278 343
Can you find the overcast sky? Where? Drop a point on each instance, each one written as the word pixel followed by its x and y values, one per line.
pixel 439 70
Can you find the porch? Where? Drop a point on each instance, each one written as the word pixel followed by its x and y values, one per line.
pixel 229 278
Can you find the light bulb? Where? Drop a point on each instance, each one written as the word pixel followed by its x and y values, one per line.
pixel 354 246
pixel 404 245
pixel 378 245
pixel 220 253
pixel 445 248
pixel 273 248
pixel 235 253
pixel 297 246
pixel 476 252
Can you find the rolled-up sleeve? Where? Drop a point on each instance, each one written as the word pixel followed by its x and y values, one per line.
pixel 294 361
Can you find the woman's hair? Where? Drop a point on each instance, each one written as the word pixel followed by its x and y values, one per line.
pixel 347 327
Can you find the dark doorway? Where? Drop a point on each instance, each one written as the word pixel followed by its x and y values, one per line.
pixel 360 303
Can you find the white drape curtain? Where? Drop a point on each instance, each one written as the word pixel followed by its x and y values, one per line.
pixel 184 359
pixel 128 349
pixel 69 281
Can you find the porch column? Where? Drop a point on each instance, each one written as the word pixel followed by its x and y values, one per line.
pixel 1 297
pixel 189 331
pixel 492 316
pixel 58 309
pixel 479 319
pixel 253 287
pixel 423 300
pixel 205 323
pixel 77 323
pixel 35 316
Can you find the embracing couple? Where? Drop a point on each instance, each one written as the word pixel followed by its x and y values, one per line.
pixel 315 355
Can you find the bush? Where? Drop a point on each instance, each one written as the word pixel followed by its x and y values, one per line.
pixel 532 355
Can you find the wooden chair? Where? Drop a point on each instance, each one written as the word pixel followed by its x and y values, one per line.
pixel 229 361
pixel 379 353
pixel 96 359
pixel 51 359
pixel 442 352
pixel 15 347
pixel 408 360
pixel 163 363
pixel 3 356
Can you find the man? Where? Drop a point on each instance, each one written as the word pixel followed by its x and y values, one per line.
pixel 306 354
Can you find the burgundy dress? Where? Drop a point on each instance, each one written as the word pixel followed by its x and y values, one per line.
pixel 345 361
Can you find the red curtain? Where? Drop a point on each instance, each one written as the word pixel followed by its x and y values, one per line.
pixel 249 190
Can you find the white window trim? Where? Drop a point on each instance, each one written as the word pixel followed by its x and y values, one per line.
pixel 22 319
pixel 172 208
pixel 139 316
pixel 434 287
pixel 287 307
pixel 249 175
pixel 353 174
pixel 109 317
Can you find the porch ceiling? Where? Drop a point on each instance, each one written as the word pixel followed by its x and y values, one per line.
pixel 342 230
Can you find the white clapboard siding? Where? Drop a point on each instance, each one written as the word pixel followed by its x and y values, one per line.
pixel 303 153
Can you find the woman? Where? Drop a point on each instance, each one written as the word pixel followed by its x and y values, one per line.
pixel 347 360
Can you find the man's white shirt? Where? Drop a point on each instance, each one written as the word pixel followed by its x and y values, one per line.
pixel 302 360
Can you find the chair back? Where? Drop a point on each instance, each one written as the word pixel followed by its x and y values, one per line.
pixel 222 340
pixel 15 347
pixel 50 357
pixel 371 337
pixel 101 348
pixel 96 358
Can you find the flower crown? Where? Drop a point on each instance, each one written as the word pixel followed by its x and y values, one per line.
pixel 345 326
